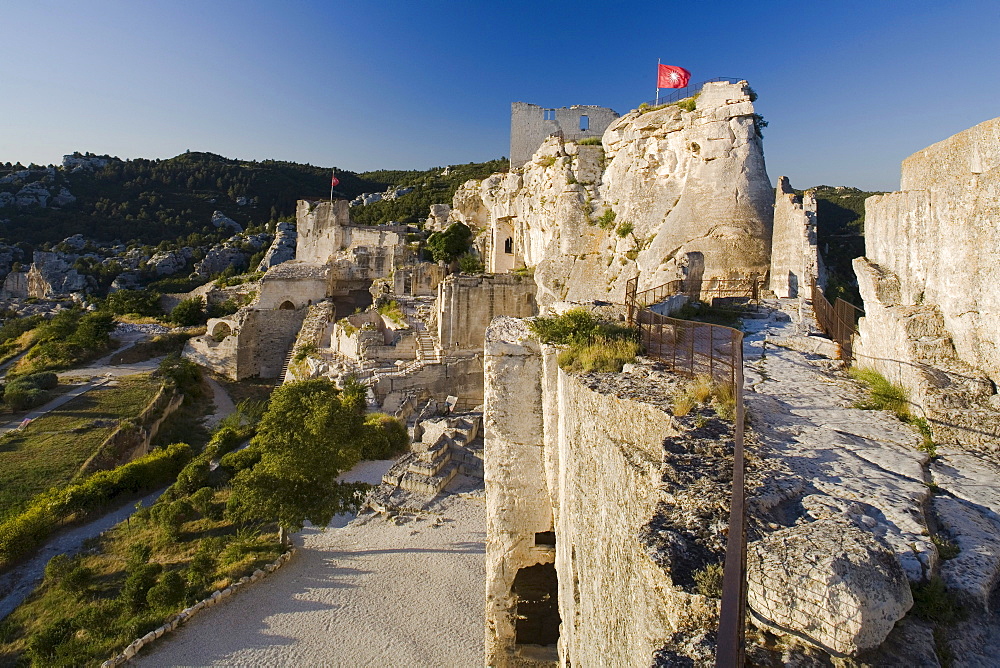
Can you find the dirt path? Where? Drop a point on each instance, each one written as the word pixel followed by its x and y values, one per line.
pixel 404 591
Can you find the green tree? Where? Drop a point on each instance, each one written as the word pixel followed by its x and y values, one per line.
pixel 307 437
pixel 447 246
pixel 142 302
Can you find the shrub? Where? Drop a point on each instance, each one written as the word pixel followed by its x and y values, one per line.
pixel 168 592
pixel 470 264
pixel 382 437
pixel 934 603
pixel 78 580
pixel 138 582
pixel 708 580
pixel 946 549
pixel 189 312
pixel 450 244
pixel 688 103
pixel 140 302
pixel 43 644
pixel 624 229
pixel 202 501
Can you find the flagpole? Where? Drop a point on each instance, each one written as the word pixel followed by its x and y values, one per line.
pixel 657 102
pixel 331 187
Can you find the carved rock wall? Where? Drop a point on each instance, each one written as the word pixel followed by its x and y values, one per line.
pixel 940 238
pixel 562 458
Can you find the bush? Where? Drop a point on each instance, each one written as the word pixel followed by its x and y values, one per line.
pixel 202 502
pixel 43 644
pixel 606 220
pixel 78 580
pixel 184 373
pixel 189 312
pixel 602 355
pixel 382 437
pixel 168 592
pixel 624 229
pixel 708 580
pixel 449 245
pixel 470 264
pixel 234 462
pixel 19 397
pixel 140 302
pixel 137 584
pixel 933 602
pixel 57 569
pixel 688 103
pixel 23 532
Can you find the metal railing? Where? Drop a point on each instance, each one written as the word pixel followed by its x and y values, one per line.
pixel 839 321
pixel 745 288
pixel 693 348
pixel 688 91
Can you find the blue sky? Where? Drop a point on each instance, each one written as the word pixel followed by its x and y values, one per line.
pixel 849 88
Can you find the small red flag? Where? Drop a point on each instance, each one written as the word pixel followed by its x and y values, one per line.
pixel 672 77
pixel 334 181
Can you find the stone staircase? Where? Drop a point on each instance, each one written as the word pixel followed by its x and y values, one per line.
pixel 448 446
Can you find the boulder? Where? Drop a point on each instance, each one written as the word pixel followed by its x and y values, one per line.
pixel 219 258
pixel 828 582
pixel 220 219
pixel 127 280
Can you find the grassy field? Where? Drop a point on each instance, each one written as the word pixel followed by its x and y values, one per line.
pixel 51 450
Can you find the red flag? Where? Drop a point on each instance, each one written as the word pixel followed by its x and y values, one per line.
pixel 672 77
pixel 334 181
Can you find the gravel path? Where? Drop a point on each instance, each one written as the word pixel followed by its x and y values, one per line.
pixel 377 592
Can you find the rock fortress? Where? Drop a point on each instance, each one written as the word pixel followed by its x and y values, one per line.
pixel 606 500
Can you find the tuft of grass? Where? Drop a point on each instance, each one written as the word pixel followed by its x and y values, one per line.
pixel 624 229
pixel 683 403
pixel 724 400
pixel 701 388
pixel 882 394
pixel 933 602
pixel 602 355
pixel 946 549
pixel 547 160
pixel 392 311
pixel 689 103
pixel 708 581
pixel 592 344
pixel 590 141
pixel 606 220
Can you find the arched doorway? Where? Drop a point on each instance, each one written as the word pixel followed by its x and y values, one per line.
pixel 287 305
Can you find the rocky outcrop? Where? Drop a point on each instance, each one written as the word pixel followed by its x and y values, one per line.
pixel 830 582
pixel 282 248
pixel 167 263
pixel 233 252
pixel 51 275
pixel 670 193
pixel 391 193
pixel 438 218
pixel 795 262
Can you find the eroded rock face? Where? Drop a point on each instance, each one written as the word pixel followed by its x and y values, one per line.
pixel 52 275
pixel 671 193
pixel 282 248
pixel 166 263
pixel 829 582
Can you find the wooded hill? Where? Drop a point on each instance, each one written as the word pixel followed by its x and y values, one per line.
pixel 149 201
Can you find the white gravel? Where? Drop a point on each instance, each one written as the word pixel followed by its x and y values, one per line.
pixel 377 592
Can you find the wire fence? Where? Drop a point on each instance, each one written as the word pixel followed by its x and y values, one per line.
pixel 688 91
pixel 694 348
pixel 839 321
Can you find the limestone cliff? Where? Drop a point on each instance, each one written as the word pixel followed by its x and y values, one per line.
pixel 669 193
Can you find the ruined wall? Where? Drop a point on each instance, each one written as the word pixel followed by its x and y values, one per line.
pixel 531 124
pixel 268 336
pixel 562 457
pixel 670 193
pixel 294 282
pixel 940 237
pixel 320 227
pixel 461 377
pixel 467 304
pixel 794 258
